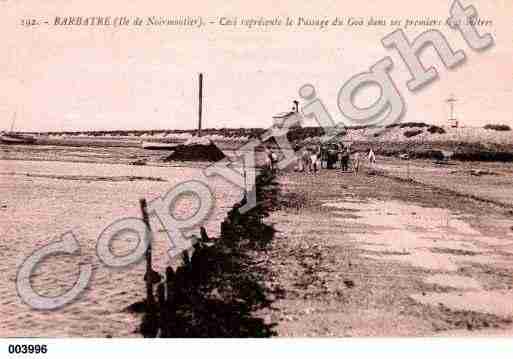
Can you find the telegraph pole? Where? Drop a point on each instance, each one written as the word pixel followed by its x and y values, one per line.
pixel 200 105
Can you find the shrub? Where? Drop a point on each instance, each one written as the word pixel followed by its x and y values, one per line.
pixel 413 124
pixel 497 127
pixel 435 129
pixel 412 133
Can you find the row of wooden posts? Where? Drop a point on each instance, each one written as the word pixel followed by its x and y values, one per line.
pixel 176 289
pixel 150 300
pixel 159 310
pixel 152 325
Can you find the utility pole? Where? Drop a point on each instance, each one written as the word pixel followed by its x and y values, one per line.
pixel 200 105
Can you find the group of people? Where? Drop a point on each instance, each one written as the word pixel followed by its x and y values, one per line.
pixel 309 159
pixel 312 158
pixel 337 155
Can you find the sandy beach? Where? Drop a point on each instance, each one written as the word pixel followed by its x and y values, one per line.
pixel 50 191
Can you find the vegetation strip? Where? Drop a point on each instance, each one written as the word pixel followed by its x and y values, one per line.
pixel 215 291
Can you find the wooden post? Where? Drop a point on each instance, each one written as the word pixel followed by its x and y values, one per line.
pixel 200 106
pixel 149 270
pixel 170 282
pixel 163 320
pixel 170 312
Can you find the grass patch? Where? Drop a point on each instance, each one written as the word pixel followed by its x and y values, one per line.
pixel 497 127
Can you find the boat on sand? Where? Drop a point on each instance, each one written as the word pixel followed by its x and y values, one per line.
pixel 15 138
pixel 12 138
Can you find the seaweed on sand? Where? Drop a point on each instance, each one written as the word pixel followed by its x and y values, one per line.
pixel 196 152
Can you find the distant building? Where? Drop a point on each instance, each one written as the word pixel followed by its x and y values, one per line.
pixel 292 118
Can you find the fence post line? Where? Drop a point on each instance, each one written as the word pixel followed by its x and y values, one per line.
pixel 149 270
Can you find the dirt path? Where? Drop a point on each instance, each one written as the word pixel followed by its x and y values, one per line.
pixel 371 256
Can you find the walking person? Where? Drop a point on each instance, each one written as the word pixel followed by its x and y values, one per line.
pixel 340 156
pixel 345 159
pixel 348 157
pixel 308 160
pixel 274 160
pixel 356 163
pixel 299 163
pixel 305 160
pixel 270 161
pixel 314 159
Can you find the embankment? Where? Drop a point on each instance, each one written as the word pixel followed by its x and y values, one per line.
pixel 215 291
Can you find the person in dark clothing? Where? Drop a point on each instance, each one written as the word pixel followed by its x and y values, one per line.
pixel 331 158
pixel 345 161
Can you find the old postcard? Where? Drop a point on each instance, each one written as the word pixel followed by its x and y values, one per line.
pixel 256 169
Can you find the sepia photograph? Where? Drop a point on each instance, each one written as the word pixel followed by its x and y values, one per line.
pixel 241 169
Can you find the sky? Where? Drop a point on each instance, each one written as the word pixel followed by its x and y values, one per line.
pixel 106 78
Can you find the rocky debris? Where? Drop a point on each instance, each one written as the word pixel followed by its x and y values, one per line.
pixel 482 173
pixel 349 283
pixel 139 162
pixel 196 152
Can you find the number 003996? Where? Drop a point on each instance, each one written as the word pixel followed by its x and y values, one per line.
pixel 28 349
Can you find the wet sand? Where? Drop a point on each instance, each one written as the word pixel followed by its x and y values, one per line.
pixel 369 255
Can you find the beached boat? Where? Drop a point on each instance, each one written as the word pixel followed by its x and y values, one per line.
pixel 12 138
